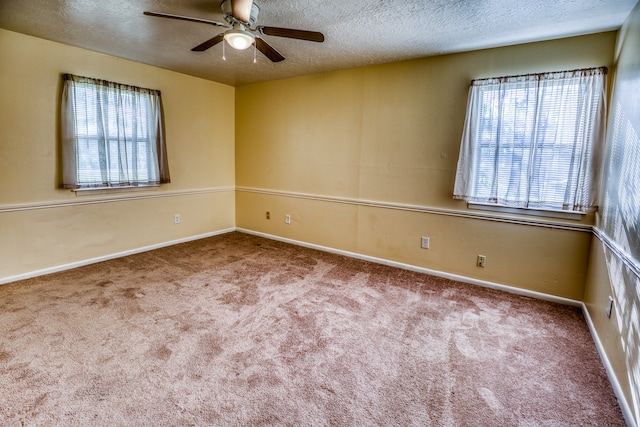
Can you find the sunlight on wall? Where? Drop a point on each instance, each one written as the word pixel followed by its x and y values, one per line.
pixel 626 289
pixel 621 225
pixel 621 207
pixel 620 221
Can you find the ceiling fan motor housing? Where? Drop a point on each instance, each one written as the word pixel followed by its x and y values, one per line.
pixel 228 13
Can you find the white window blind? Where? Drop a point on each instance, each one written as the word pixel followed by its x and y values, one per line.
pixel 113 135
pixel 534 141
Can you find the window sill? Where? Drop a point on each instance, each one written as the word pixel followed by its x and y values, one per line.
pixel 572 215
pixel 113 190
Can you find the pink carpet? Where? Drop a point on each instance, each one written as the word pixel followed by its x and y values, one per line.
pixel 240 330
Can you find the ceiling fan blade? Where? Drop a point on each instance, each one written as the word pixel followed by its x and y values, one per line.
pixel 268 50
pixel 241 10
pixel 312 36
pixel 209 43
pixel 186 18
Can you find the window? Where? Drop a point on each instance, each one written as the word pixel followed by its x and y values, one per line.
pixel 112 135
pixel 534 141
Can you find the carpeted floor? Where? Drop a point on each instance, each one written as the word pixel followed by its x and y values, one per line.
pixel 240 330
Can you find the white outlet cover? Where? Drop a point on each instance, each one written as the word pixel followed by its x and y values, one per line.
pixel 424 243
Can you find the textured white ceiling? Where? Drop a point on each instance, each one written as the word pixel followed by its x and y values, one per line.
pixel 357 33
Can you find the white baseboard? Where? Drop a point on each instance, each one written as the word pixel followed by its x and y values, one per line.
pixel 464 279
pixel 617 389
pixel 31 274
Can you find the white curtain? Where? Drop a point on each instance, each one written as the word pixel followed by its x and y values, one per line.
pixel 112 135
pixel 534 141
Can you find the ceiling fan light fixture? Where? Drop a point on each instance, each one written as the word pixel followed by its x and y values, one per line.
pixel 239 39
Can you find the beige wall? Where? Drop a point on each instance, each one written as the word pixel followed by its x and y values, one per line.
pixel 610 271
pixel 390 135
pixel 36 231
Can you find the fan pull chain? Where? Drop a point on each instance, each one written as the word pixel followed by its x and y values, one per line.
pixel 224 57
pixel 254 52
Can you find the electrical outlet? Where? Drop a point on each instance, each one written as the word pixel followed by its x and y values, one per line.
pixel 287 219
pixel 268 215
pixel 481 260
pixel 176 219
pixel 609 306
pixel 424 243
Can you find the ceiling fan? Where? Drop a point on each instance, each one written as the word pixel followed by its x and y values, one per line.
pixel 241 17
